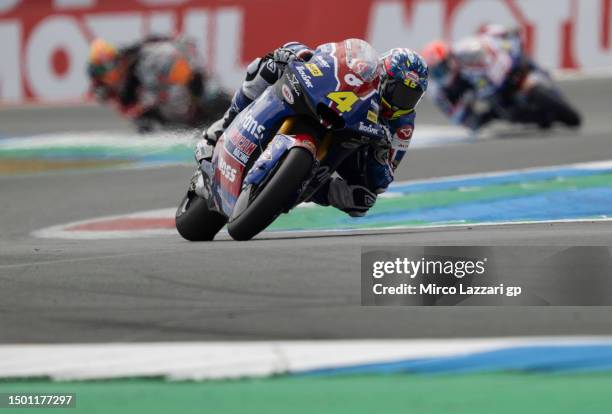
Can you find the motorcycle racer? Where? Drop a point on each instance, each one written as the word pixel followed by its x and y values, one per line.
pixel 363 175
pixel 512 37
pixel 475 79
pixel 153 81
pixel 457 74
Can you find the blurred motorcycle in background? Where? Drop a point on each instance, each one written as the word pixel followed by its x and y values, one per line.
pixel 490 77
pixel 155 83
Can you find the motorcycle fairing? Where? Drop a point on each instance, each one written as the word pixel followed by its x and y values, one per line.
pixel 244 139
pixel 327 79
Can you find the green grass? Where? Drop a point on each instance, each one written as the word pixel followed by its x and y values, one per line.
pixel 424 394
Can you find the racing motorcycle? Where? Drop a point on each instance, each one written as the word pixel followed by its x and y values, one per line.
pixel 523 92
pixel 181 106
pixel 281 149
pixel 173 92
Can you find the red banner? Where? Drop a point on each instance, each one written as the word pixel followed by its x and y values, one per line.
pixel 45 42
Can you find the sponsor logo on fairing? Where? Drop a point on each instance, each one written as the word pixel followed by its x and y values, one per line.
pixel 252 126
pixel 227 171
pixel 313 69
pixel 287 94
pixel 368 129
pixel 306 78
pixel 295 84
pixel 243 148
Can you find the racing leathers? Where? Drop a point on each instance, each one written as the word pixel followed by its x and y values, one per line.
pixel 362 176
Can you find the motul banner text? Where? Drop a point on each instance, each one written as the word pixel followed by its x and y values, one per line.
pixel 44 43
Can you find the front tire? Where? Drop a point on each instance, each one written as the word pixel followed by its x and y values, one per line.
pixel 270 202
pixel 195 221
pixel 550 102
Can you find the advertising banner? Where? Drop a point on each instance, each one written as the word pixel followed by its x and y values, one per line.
pixel 44 43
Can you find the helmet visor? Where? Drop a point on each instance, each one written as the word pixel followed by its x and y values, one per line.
pixel 400 95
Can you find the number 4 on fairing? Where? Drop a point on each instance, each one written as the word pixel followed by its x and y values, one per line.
pixel 344 100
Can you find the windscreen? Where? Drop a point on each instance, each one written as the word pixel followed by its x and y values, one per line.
pixel 362 59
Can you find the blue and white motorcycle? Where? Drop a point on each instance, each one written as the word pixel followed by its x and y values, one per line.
pixel 281 149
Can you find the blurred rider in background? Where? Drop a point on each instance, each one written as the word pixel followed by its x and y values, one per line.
pixel 156 81
pixel 511 37
pixel 467 76
pixel 362 176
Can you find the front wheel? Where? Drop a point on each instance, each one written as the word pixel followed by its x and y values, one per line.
pixel 269 202
pixel 550 102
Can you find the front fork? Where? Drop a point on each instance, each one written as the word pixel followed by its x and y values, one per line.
pixel 277 148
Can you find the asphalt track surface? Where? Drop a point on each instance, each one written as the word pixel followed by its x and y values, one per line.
pixel 290 287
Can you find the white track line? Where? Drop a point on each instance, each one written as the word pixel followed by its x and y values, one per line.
pixel 59 232
pixel 213 360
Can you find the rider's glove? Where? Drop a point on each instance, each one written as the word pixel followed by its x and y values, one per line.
pixel 355 200
pixel 283 56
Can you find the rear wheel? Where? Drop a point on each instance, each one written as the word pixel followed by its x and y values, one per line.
pixel 251 216
pixel 550 102
pixel 195 221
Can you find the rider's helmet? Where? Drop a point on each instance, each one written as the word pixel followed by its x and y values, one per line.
pixel 500 31
pixel 103 63
pixel 512 37
pixel 404 82
pixel 442 67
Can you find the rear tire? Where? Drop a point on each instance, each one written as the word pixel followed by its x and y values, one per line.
pixel 550 102
pixel 273 198
pixel 195 221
